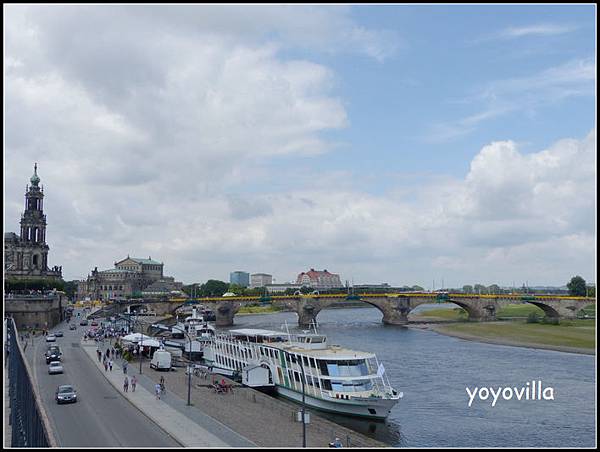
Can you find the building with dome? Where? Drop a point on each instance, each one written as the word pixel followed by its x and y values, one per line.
pixel 26 254
pixel 131 277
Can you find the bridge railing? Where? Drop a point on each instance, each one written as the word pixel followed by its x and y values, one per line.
pixel 29 424
pixel 431 295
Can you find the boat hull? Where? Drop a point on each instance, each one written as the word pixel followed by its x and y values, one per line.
pixel 370 408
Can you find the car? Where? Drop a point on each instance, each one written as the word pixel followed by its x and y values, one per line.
pixel 51 338
pixel 83 322
pixel 55 367
pixel 94 323
pixel 72 326
pixel 53 354
pixel 65 394
pixel 58 333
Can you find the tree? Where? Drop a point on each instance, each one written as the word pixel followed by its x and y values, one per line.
pixel 467 289
pixel 591 291
pixel 417 288
pixel 494 289
pixel 479 289
pixel 236 289
pixel 213 288
pixel 577 286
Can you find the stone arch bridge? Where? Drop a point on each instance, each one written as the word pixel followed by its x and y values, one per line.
pixel 394 307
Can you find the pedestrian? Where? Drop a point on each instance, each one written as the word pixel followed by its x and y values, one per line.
pixel 105 366
pixel 110 363
pixel 133 383
pixel 125 367
pixel 157 391
pixel 126 384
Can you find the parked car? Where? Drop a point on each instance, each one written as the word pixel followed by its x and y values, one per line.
pixel 83 322
pixel 94 323
pixel 58 333
pixel 72 326
pixel 55 367
pixel 51 338
pixel 65 394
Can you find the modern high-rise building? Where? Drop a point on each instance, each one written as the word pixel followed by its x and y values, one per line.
pixel 240 278
pixel 260 279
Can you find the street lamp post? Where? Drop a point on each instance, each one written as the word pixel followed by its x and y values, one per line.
pixel 141 343
pixel 303 404
pixel 189 403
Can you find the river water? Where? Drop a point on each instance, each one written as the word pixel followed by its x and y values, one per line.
pixel 433 371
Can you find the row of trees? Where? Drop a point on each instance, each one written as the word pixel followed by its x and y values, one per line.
pixel 215 288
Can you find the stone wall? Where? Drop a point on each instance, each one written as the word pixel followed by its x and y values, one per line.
pixel 36 311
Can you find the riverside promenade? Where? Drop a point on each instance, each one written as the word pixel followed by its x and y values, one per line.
pixel 242 418
pixel 186 425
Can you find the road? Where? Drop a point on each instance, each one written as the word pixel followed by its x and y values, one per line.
pixel 101 417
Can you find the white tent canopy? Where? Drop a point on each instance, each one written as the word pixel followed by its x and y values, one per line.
pixel 136 337
pixel 149 343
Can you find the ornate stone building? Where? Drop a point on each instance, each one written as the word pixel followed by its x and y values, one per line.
pixel 26 255
pixel 131 276
pixel 319 279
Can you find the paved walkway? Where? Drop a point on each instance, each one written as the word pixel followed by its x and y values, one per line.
pixel 187 425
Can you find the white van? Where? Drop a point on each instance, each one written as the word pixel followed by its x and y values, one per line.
pixel 161 360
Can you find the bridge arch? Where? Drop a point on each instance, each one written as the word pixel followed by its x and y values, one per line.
pixel 548 310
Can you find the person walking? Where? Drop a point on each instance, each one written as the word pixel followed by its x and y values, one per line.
pixel 110 363
pixel 125 367
pixel 157 391
pixel 133 383
pixel 105 366
pixel 162 383
pixel 126 384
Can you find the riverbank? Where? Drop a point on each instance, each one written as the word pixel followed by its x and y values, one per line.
pixel 262 419
pixel 571 336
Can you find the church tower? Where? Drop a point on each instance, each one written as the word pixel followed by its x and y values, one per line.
pixel 33 224
pixel 27 255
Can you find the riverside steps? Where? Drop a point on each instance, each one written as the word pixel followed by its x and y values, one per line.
pixel 241 418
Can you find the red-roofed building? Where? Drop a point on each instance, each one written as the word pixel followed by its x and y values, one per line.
pixel 319 279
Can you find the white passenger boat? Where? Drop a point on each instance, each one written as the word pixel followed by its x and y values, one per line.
pixel 337 380
pixel 196 326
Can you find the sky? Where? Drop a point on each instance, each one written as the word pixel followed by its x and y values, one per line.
pixel 406 144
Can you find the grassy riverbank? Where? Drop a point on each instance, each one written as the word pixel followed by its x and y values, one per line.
pixel 258 310
pixel 570 335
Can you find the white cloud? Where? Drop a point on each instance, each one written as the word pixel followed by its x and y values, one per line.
pixel 536 30
pixel 574 78
pixel 152 132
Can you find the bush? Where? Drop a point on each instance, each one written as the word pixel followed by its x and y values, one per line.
pixel 550 321
pixel 533 318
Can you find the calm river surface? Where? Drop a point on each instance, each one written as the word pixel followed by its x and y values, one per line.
pixel 433 371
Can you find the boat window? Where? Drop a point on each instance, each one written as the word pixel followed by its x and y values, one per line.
pixel 351 368
pixel 305 361
pixel 352 386
pixel 323 368
pixel 293 358
pixel 326 384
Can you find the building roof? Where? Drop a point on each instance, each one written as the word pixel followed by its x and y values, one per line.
pixel 117 270
pixel 10 236
pixel 139 260
pixel 313 274
pixel 145 261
